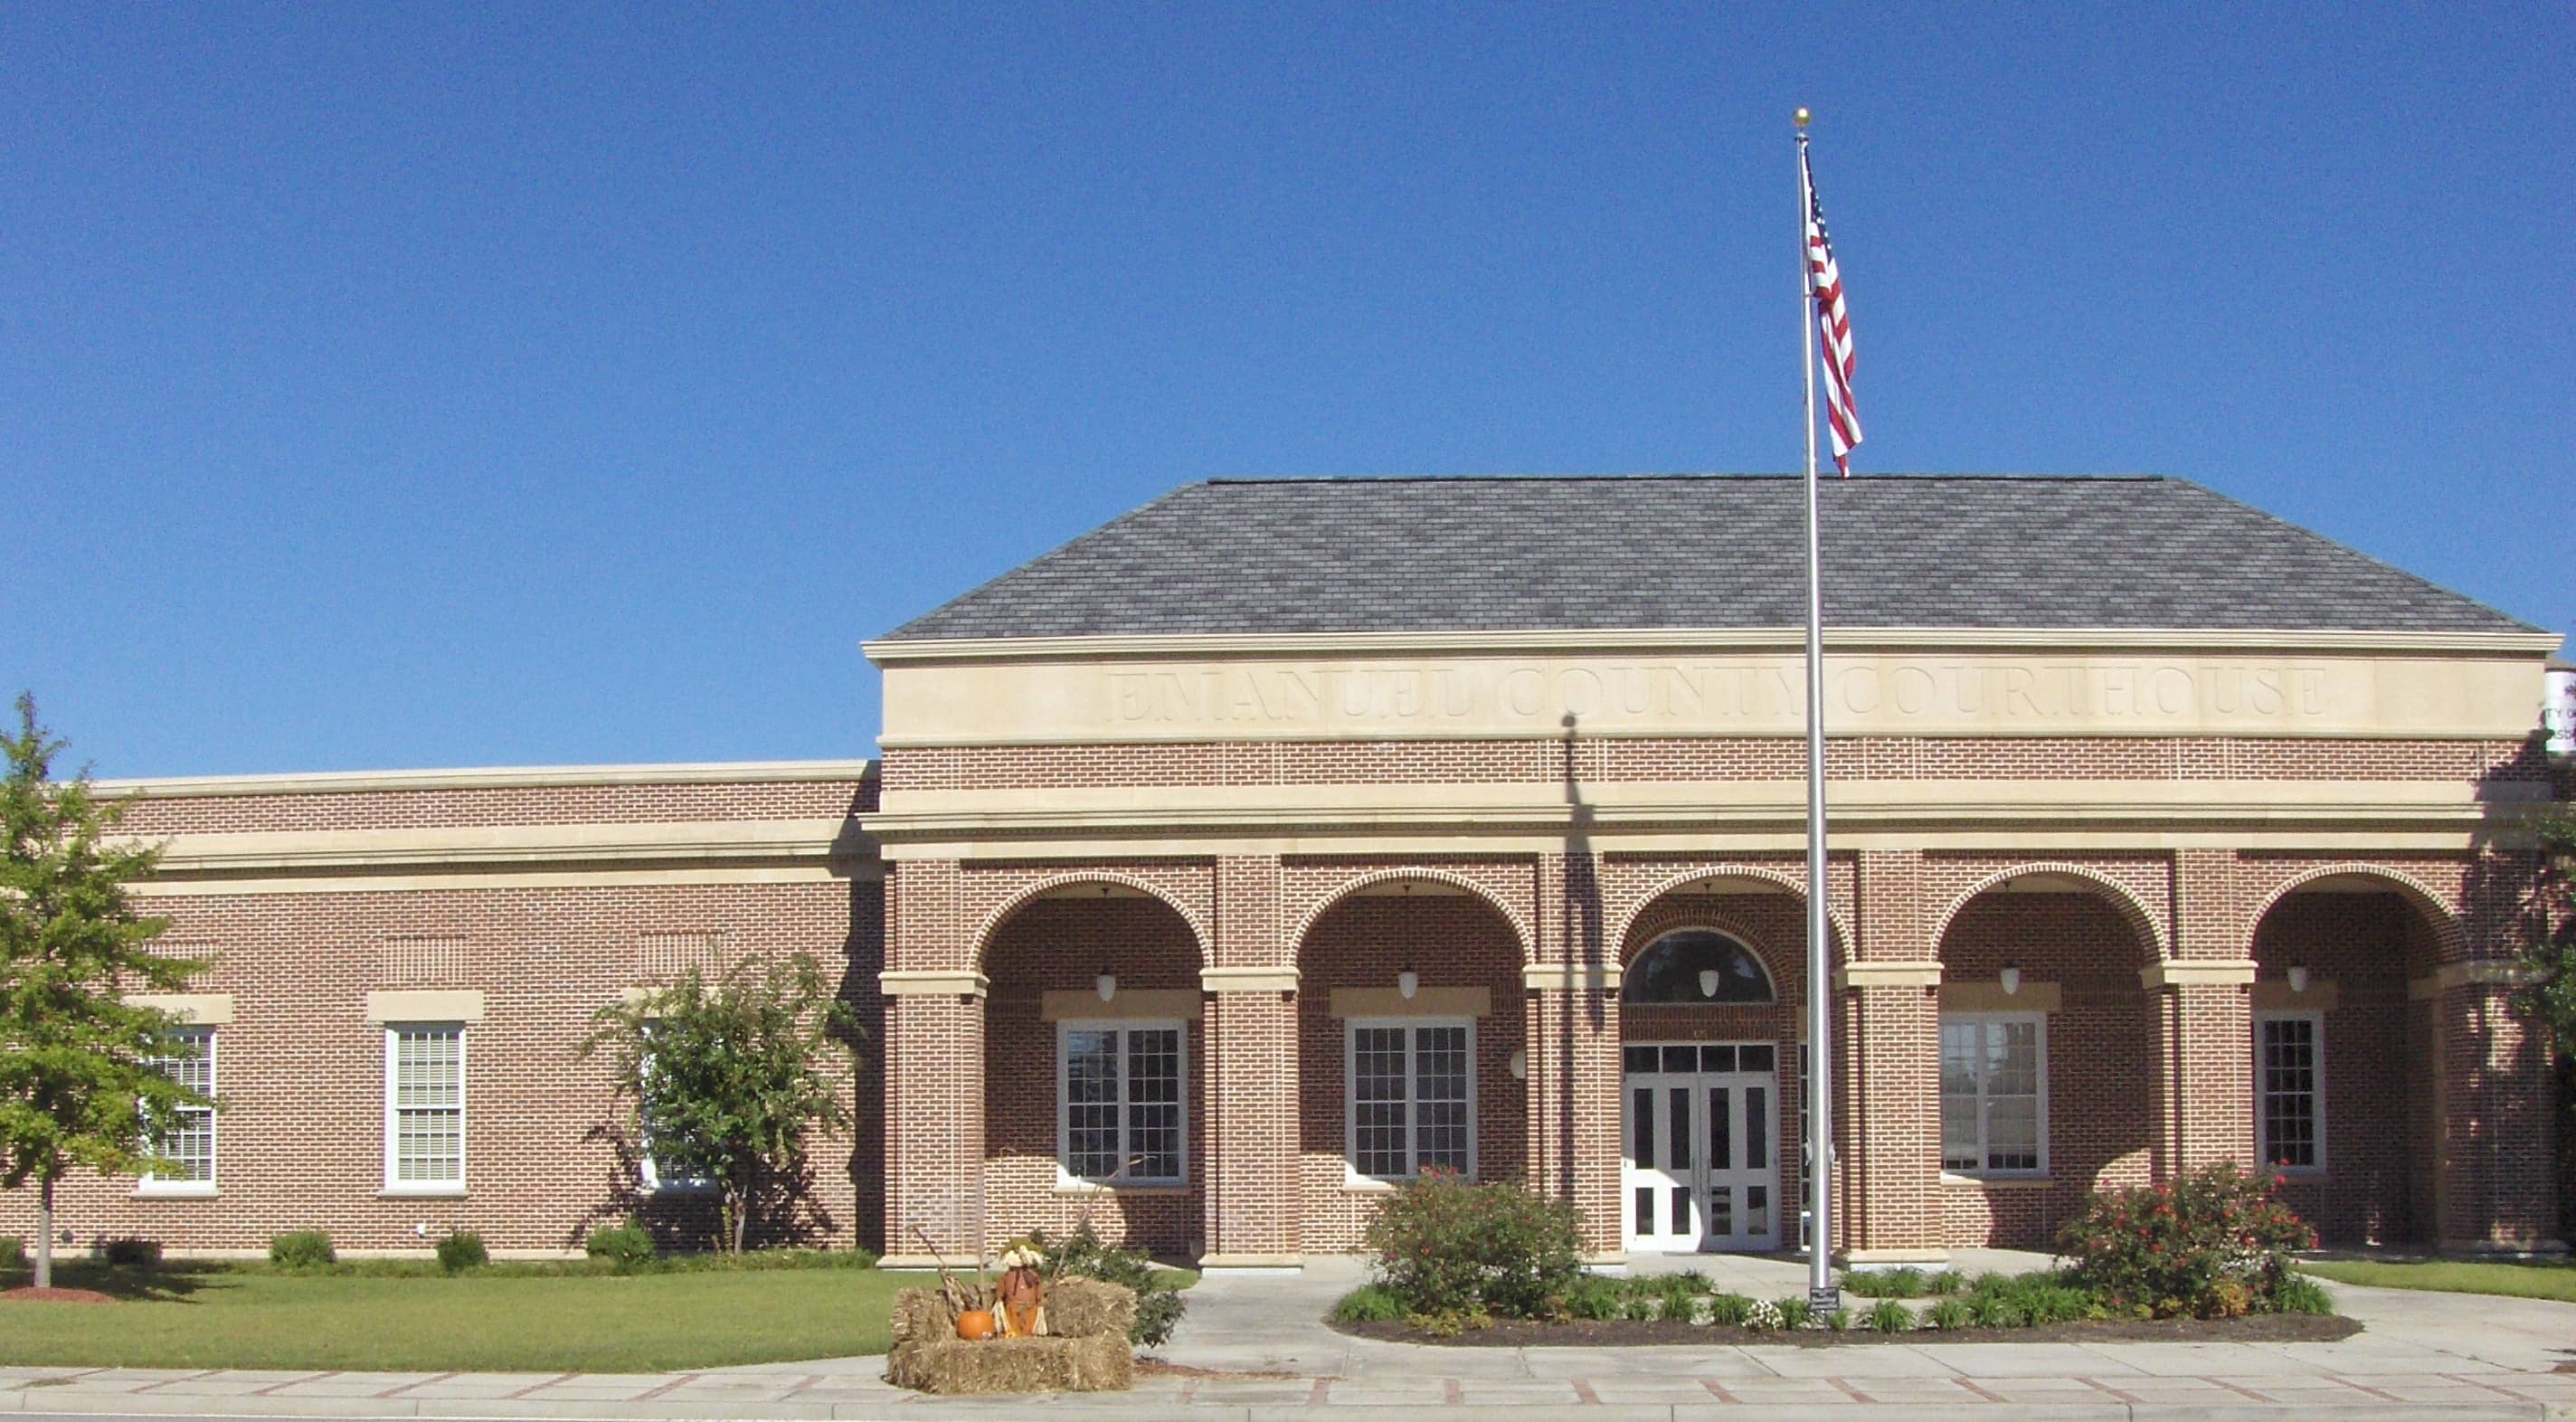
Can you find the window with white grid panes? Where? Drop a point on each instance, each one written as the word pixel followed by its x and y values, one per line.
pixel 1410 1097
pixel 1122 1102
pixel 187 1144
pixel 425 1108
pixel 1994 1093
pixel 2289 1091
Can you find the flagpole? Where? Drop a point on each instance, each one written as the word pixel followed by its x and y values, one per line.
pixel 1821 1293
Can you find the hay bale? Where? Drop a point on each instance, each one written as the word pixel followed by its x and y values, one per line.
pixel 922 1315
pixel 956 1367
pixel 1088 1308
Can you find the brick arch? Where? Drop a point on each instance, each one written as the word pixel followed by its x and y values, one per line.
pixel 2123 900
pixel 1341 892
pixel 1671 885
pixel 2438 915
pixel 1002 912
pixel 1684 918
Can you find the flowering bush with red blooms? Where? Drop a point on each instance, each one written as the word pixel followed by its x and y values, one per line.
pixel 2213 1244
pixel 1447 1249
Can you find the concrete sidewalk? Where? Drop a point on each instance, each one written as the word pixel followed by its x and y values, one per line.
pixel 1258 1355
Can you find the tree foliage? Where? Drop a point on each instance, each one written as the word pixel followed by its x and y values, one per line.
pixel 81 1081
pixel 2549 989
pixel 726 1077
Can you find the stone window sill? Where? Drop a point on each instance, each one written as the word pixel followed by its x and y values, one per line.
pixel 1095 1187
pixel 421 1192
pixel 1954 1181
pixel 189 1190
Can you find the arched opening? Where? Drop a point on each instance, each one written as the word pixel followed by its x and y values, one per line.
pixel 1712 1076
pixel 1092 1099
pixel 2346 1093
pixel 1410 1048
pixel 2047 1045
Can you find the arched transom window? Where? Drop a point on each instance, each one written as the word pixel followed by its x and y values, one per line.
pixel 1696 966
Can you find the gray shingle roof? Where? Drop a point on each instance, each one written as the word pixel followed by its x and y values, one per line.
pixel 1527 554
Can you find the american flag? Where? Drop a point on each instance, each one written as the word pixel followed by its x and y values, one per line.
pixel 1833 324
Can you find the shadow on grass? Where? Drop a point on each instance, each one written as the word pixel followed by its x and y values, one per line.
pixel 154 1283
pixel 2538 1262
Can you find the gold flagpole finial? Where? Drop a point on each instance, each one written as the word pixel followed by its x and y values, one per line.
pixel 1801 116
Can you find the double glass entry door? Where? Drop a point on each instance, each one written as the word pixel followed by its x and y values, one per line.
pixel 1699 1122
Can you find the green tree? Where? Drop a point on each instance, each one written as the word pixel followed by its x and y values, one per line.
pixel 2549 990
pixel 727 1075
pixel 80 1077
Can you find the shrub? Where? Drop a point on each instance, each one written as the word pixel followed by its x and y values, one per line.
pixel 132 1253
pixel 1158 1294
pixel 627 1246
pixel 1890 1316
pixel 1370 1303
pixel 1883 1283
pixel 1762 1315
pixel 1944 1283
pixel 1444 1246
pixel 1996 1309
pixel 13 1252
pixel 1949 1315
pixel 2301 1294
pixel 302 1249
pixel 2170 1246
pixel 1729 1310
pixel 1673 1296
pixel 462 1249
pixel 1595 1300
pixel 1794 1312
pixel 1840 1320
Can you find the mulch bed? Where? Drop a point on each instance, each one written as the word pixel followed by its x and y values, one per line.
pixel 72 1296
pixel 2258 1328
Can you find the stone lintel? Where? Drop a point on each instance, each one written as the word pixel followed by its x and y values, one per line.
pixel 1247 979
pixel 2197 972
pixel 932 982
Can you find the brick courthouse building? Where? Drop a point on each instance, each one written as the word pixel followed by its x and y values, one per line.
pixel 1282 839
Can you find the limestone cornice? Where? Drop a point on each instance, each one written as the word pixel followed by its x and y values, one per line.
pixel 1723 806
pixel 1363 644
pixel 523 777
pixel 697 843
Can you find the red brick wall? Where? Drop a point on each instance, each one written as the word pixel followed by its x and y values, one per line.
pixel 301 1072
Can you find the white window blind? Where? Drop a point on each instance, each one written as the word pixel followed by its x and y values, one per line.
pixel 425 1107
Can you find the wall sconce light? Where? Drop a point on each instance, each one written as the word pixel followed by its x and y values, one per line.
pixel 1708 982
pixel 1407 983
pixel 2298 977
pixel 2012 980
pixel 1106 984
pixel 1520 1066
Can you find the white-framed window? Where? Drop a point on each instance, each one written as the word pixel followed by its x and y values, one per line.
pixel 1994 1093
pixel 2290 1091
pixel 1409 1097
pixel 425 1108
pixel 188 1144
pixel 1122 1110
pixel 661 1170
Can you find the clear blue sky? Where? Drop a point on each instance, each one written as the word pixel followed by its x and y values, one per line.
pixel 411 386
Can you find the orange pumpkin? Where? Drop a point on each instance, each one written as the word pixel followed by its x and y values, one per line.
pixel 975 1324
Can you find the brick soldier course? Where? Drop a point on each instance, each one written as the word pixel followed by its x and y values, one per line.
pixel 1290 774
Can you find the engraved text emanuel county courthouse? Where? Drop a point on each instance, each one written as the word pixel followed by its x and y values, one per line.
pixel 1283 840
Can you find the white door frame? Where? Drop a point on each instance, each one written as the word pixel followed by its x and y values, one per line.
pixel 1684 1198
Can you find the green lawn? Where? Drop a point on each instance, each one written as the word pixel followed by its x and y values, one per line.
pixel 2539 1279
pixel 498 1320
